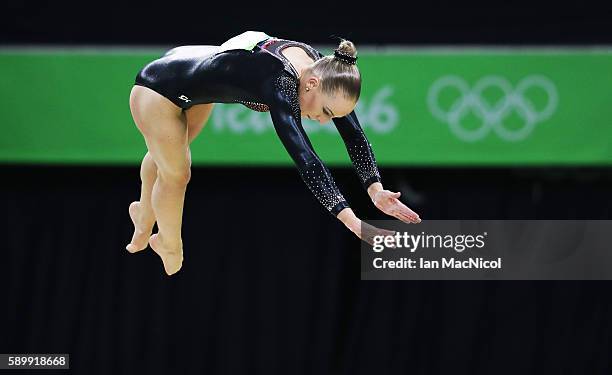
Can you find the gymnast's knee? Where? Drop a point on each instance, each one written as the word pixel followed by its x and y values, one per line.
pixel 175 176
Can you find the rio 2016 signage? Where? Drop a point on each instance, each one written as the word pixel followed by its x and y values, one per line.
pixel 376 114
pixel 417 107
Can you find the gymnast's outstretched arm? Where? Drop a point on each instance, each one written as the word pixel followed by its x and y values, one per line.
pixel 358 148
pixel 364 162
pixel 285 113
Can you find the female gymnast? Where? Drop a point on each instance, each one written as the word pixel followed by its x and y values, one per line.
pixel 174 95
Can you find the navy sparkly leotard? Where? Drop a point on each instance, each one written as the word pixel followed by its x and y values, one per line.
pixel 264 80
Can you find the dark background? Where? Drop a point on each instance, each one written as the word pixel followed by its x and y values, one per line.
pixel 377 22
pixel 270 283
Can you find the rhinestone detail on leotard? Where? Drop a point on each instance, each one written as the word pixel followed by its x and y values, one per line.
pixel 364 162
pixel 259 107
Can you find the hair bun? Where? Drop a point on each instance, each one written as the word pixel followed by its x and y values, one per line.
pixel 347 59
pixel 346 52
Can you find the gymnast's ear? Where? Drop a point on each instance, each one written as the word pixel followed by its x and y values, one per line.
pixel 313 81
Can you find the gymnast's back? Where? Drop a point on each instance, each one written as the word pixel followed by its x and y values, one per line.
pixel 245 69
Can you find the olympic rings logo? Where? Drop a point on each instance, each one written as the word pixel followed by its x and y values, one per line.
pixel 492 115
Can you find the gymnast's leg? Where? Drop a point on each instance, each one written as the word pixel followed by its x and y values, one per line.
pixel 141 212
pixel 173 174
pixel 164 128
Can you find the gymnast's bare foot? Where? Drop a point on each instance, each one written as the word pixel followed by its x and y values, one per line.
pixel 142 229
pixel 172 258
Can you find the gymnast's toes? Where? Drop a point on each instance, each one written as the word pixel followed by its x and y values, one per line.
pixel 172 259
pixel 140 237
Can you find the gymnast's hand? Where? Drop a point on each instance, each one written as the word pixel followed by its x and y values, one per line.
pixel 388 202
pixel 363 230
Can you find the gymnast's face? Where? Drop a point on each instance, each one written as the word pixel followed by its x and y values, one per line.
pixel 319 106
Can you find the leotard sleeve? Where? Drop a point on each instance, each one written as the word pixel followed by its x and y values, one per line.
pixel 358 148
pixel 285 113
